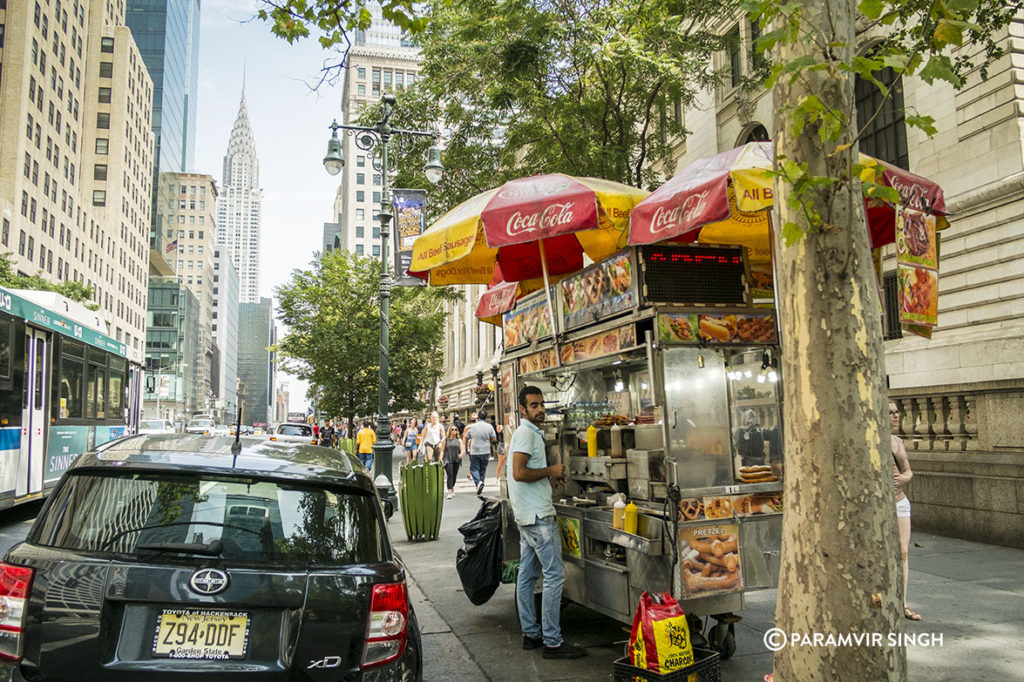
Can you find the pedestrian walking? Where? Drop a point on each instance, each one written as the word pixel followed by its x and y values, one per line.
pixel 453 451
pixel 901 476
pixel 479 436
pixel 540 544
pixel 316 431
pixel 499 448
pixel 432 444
pixel 409 440
pixel 459 425
pixel 327 434
pixel 364 445
pixel 472 418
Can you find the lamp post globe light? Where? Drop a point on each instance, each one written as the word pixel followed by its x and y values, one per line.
pixel 375 140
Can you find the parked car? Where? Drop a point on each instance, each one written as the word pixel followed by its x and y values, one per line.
pixel 155 426
pixel 221 430
pixel 203 425
pixel 170 557
pixel 294 432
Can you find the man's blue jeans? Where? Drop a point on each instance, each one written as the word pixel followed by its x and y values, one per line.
pixel 540 553
pixel 478 467
pixel 367 459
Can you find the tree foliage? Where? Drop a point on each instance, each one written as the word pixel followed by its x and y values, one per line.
pixel 333 317
pixel 584 87
pixel 74 290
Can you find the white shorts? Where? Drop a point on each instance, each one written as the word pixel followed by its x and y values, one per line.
pixel 903 509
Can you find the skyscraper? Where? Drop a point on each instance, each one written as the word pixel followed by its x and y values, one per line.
pixel 381 60
pixel 239 206
pixel 167 33
pixel 255 363
pixel 76 154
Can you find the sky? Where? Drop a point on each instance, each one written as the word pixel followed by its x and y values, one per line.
pixel 290 125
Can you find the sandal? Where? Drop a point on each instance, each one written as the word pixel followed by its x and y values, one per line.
pixel 910 615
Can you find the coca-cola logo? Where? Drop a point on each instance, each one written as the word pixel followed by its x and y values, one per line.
pixel 913 194
pixel 553 216
pixel 680 215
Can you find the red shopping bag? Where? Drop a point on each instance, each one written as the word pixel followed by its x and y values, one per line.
pixel 660 640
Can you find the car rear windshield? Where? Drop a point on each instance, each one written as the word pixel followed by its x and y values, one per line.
pixel 201 422
pixel 153 424
pixel 255 520
pixel 295 430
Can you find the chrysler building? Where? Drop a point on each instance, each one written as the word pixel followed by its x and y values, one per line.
pixel 238 206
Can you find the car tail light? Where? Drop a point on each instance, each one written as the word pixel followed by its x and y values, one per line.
pixel 388 624
pixel 15 586
pixel 273 438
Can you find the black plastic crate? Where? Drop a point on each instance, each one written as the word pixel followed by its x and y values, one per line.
pixel 704 668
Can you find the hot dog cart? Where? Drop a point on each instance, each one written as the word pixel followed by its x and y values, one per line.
pixel 670 352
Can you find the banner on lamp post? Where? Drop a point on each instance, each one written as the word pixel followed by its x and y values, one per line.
pixel 408 206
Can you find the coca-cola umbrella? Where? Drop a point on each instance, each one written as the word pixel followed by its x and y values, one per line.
pixel 506 225
pixel 723 199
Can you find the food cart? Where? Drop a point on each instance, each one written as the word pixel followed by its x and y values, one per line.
pixel 670 351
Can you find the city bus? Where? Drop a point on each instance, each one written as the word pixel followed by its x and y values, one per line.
pixel 65 387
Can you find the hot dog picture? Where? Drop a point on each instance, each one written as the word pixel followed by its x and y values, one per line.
pixel 711 559
pixel 717 328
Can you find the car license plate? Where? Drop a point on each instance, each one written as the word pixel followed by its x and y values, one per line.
pixel 204 635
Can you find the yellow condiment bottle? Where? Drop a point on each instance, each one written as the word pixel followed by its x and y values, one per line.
pixel 629 522
pixel 591 441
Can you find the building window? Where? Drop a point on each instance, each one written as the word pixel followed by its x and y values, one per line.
pixel 360 178
pixel 376 232
pixel 107 45
pixel 885 135
pixel 361 72
pixel 99 172
pixel 104 96
pixel 361 89
pixel 735 56
pixel 360 214
pixel 106 69
pixel 360 231
pixel 891 328
pixel 376 197
pixel 99 197
pixel 103 120
pixel 376 180
pixel 360 195
pixel 102 145
pixel 359 249
pixel 360 161
pixel 376 249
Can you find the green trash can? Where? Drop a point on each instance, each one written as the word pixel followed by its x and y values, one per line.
pixel 421 498
pixel 347 444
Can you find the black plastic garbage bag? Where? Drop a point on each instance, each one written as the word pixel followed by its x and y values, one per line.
pixel 479 559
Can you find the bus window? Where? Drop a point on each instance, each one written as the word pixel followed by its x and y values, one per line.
pixel 95 392
pixel 6 330
pixel 71 387
pixel 116 393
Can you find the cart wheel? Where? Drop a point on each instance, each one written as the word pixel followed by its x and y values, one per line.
pixel 722 639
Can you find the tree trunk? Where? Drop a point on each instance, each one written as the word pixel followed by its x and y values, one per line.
pixel 841 573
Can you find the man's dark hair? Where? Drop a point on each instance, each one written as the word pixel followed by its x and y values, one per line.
pixel 481 416
pixel 528 390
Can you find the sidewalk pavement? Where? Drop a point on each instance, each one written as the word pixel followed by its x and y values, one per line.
pixel 970 594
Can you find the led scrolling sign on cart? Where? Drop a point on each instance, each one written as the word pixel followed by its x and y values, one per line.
pixel 700 275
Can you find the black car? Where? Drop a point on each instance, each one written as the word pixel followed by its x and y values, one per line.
pixel 174 556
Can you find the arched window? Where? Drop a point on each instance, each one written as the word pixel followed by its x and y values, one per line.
pixel 884 132
pixel 756 133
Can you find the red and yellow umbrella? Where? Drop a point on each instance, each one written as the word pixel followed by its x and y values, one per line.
pixel 533 227
pixel 722 200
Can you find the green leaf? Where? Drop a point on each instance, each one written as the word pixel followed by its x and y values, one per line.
pixel 791 233
pixel 875 191
pixel 872 9
pixel 897 62
pixel 948 33
pixel 963 6
pixel 939 67
pixel 924 123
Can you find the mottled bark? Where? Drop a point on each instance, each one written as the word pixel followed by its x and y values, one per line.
pixel 840 554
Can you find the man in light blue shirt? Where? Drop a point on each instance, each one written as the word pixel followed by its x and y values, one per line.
pixel 540 544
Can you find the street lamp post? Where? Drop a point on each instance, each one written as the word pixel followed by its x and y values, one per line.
pixel 371 139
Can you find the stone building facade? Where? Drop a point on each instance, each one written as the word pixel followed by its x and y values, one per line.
pixel 962 391
pixel 77 154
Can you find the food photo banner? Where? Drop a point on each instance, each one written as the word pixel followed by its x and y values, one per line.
pixel 917 268
pixel 717 328
pixel 409 206
pixel 530 320
pixel 603 289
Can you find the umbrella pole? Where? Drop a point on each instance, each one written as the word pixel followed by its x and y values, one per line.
pixel 551 305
